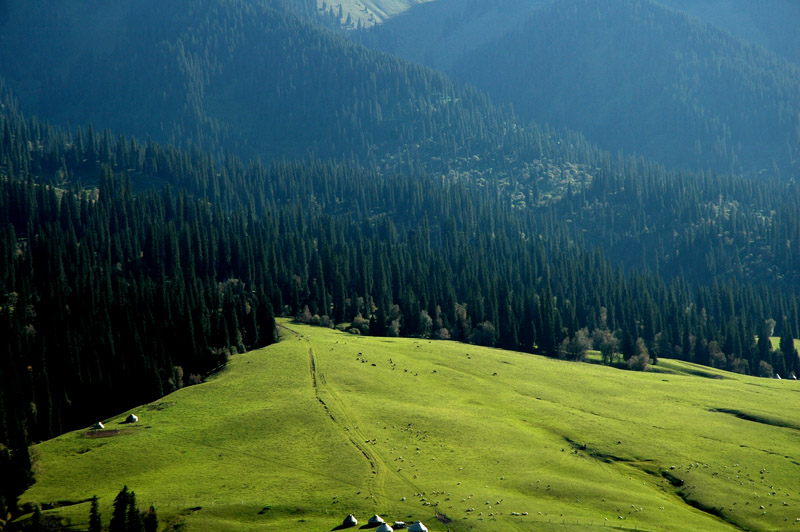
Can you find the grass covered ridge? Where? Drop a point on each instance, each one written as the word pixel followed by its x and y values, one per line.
pixel 322 424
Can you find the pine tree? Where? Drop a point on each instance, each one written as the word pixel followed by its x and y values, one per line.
pixel 764 345
pixel 95 524
pixel 119 517
pixel 134 517
pixel 788 351
pixel 151 520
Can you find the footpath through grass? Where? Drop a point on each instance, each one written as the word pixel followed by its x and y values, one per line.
pixel 298 435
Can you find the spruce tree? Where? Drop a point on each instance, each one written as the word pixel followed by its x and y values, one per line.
pixel 151 520
pixel 134 517
pixel 788 351
pixel 95 524
pixel 119 517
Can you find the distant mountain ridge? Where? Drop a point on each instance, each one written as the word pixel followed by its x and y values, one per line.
pixel 635 76
pixel 769 23
pixel 641 78
pixel 247 78
pixel 439 33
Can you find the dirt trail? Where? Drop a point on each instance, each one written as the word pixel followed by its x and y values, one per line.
pixel 339 413
pixel 349 428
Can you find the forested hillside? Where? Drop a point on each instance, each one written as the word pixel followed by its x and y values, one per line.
pixel 633 76
pixel 768 23
pixel 248 78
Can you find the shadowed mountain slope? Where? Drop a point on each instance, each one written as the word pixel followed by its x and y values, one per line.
pixel 638 77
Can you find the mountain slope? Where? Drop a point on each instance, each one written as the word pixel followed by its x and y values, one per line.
pixel 769 23
pixel 243 77
pixel 439 33
pixel 323 424
pixel 635 76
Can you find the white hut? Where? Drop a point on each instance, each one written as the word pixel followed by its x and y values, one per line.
pixel 132 418
pixel 99 425
pixel 376 520
pixel 417 527
pixel 399 525
pixel 349 521
pixel 384 528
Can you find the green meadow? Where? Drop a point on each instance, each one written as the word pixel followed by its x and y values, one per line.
pixel 322 424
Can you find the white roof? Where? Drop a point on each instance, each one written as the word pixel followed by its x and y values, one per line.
pixel 350 520
pixel 417 527
pixel 384 528
pixel 375 519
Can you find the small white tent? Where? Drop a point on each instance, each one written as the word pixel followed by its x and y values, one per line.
pixel 132 418
pixel 376 520
pixel 349 521
pixel 384 528
pixel 99 425
pixel 417 527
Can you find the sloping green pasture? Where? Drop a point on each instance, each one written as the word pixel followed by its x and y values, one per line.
pixel 298 435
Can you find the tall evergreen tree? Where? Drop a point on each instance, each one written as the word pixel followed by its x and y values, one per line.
pixel 151 520
pixel 95 524
pixel 134 518
pixel 119 516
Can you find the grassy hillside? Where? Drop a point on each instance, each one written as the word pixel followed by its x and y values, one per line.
pixel 298 435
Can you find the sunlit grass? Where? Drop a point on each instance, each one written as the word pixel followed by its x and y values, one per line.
pixel 406 428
